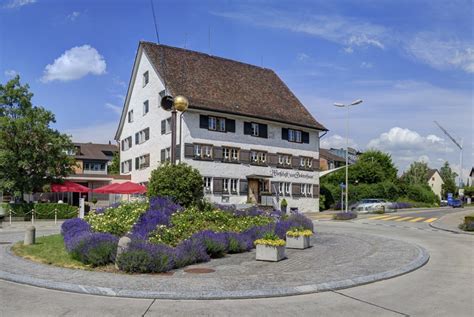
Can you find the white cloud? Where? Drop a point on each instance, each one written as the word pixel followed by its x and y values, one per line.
pixel 10 73
pixel 18 3
pixel 336 141
pixel 366 65
pixel 116 109
pixel 442 52
pixel 73 16
pixel 75 63
pixel 98 133
pixel 117 81
pixel 303 57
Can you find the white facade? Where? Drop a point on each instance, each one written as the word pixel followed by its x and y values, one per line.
pixel 436 184
pixel 241 175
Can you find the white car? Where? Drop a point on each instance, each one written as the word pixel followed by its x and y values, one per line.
pixel 371 205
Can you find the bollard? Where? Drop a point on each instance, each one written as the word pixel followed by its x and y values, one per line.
pixel 30 235
pixel 55 216
pixel 123 245
pixel 32 216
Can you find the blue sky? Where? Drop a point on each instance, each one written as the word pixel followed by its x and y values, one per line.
pixel 411 62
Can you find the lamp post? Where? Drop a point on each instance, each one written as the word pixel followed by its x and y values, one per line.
pixel 355 102
pixel 180 104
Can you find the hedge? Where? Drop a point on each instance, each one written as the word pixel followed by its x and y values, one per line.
pixel 42 210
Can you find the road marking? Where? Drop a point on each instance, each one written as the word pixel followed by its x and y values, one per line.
pixel 379 217
pixel 391 218
pixel 403 219
pixel 430 220
pixel 416 219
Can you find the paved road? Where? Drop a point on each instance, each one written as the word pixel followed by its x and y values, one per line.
pixel 443 287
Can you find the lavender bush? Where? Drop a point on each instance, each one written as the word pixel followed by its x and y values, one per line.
pixel 144 257
pixel 73 230
pixel 95 248
pixel 189 252
pixel 215 242
pixel 238 243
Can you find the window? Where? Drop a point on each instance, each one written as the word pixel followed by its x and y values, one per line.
pixel 127 166
pixel 225 185
pixel 306 162
pixel 284 159
pixel 142 162
pixel 234 185
pixel 230 185
pixel 166 126
pixel 255 129
pixel 212 123
pixel 126 143
pixel 130 116
pixel 287 188
pixel 216 124
pixel 303 189
pixel 146 78
pixel 281 188
pixel 142 136
pixel 94 166
pixel 146 107
pixel 306 189
pixel 230 154
pixel 298 136
pixel 202 151
pixel 207 185
pixel 258 157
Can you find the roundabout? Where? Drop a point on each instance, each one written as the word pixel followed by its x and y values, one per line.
pixel 337 260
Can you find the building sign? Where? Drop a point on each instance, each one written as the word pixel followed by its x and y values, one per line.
pixel 291 174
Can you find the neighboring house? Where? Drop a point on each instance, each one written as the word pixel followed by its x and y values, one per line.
pixel 471 177
pixel 435 182
pixel 245 131
pixel 329 161
pixel 353 154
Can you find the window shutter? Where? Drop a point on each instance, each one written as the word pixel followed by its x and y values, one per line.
pixel 316 191
pixel 217 153
pixel 162 155
pixel 230 125
pixel 147 133
pixel 296 189
pixel 245 156
pixel 178 151
pixel 217 186
pixel 137 163
pixel 203 121
pixel 295 162
pixel 244 187
pixel 122 166
pixel 315 165
pixel 123 142
pixel 272 159
pixel 284 133
pixel 163 126
pixel 263 130
pixel 188 150
pixel 305 137
pixel 136 137
pixel 247 128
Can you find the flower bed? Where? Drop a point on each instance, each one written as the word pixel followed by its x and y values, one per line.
pixel 165 236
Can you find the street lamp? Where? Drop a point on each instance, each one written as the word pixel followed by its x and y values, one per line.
pixel 355 102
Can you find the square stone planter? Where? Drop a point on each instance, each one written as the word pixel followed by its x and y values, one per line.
pixel 300 242
pixel 270 253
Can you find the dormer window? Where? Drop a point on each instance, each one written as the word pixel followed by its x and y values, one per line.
pixel 145 78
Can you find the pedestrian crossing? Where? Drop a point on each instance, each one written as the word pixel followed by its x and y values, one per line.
pixel 403 218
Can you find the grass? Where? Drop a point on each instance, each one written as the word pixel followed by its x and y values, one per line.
pixel 49 250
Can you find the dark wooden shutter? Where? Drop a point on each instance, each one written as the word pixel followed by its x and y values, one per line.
pixel 136 138
pixel 217 153
pixel 262 130
pixel 217 186
pixel 296 189
pixel 122 166
pixel 244 187
pixel 188 150
pixel 178 151
pixel 162 155
pixel 284 133
pixel 147 133
pixel 230 125
pixel 272 159
pixel 305 137
pixel 163 126
pixel 247 128
pixel 137 163
pixel 316 191
pixel 295 162
pixel 245 156
pixel 203 121
pixel 315 165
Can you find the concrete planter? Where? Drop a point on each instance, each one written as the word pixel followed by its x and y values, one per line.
pixel 270 253
pixel 300 242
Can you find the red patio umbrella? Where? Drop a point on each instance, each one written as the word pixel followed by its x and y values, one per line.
pixel 69 187
pixel 122 188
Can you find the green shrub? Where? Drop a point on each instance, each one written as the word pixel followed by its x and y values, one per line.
pixel 180 182
pixel 46 211
pixel 116 220
pixel 420 193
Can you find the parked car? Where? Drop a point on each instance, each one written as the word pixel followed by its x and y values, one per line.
pixel 444 202
pixel 371 205
pixel 456 203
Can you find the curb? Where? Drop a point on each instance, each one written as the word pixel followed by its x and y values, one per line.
pixel 421 259
pixel 432 225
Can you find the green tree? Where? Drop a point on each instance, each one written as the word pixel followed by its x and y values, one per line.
pixel 31 153
pixel 114 167
pixel 449 179
pixel 417 173
pixel 181 182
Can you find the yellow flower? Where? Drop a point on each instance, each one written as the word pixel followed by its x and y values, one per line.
pixel 273 243
pixel 297 233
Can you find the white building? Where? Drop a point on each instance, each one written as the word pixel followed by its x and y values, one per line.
pixel 435 182
pixel 245 131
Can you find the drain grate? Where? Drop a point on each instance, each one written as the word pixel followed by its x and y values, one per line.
pixel 199 270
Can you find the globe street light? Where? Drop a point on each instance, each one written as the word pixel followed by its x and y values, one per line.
pixel 180 104
pixel 355 102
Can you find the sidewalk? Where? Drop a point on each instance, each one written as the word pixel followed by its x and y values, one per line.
pixel 451 222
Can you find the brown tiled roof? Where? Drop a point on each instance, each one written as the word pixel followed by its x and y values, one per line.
pixel 94 151
pixel 430 173
pixel 223 85
pixel 330 156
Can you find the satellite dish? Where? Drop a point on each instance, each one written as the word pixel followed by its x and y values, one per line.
pixel 167 102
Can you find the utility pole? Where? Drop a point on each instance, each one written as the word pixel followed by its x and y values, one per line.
pixel 460 146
